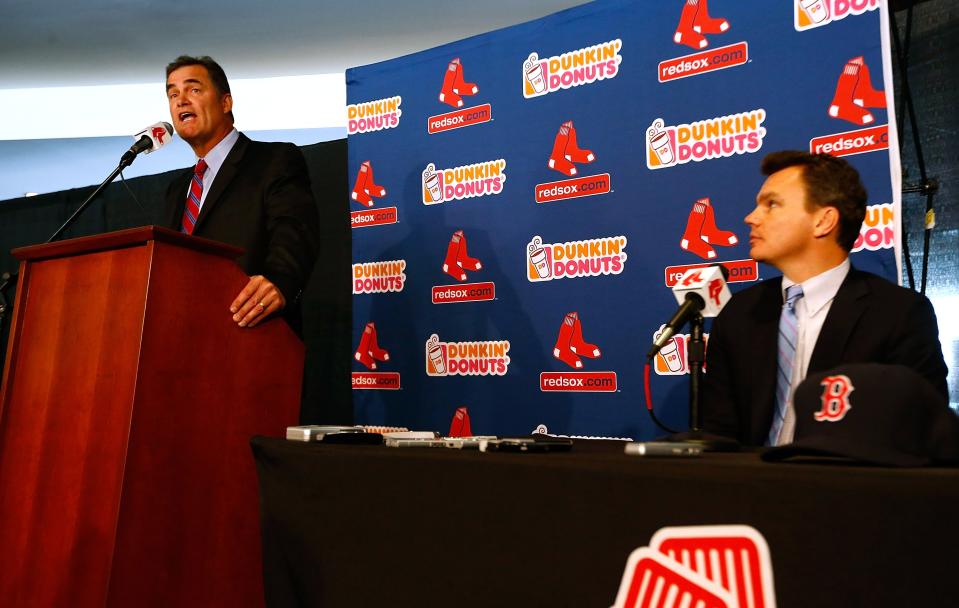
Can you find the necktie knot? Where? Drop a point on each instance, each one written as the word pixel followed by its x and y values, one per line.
pixel 793 293
pixel 201 168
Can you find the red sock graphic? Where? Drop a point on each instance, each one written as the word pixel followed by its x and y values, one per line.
pixel 685 34
pixel 463 259
pixel 451 264
pixel 562 350
pixel 371 188
pixel 460 425
pixel 843 105
pixel 573 151
pixel 461 87
pixel 864 94
pixel 577 344
pixel 557 158
pixel 710 233
pixel 692 241
pixel 375 351
pixel 447 95
pixel 704 24
pixel 359 188
pixel 363 350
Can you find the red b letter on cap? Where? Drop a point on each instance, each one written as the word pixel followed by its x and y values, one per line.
pixel 835 398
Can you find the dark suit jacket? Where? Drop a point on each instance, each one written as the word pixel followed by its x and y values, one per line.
pixel 260 201
pixel 870 320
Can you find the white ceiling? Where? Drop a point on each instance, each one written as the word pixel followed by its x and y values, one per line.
pixel 97 42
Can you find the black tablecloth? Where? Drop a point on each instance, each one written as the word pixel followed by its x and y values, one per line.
pixel 377 526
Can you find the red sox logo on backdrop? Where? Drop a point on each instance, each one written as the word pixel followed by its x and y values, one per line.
pixel 456 264
pixel 565 154
pixel 368 352
pixel 571 69
pixel 853 98
pixel 702 566
pixel 373 115
pixel 719 137
pixel 835 398
pixel 815 13
pixel 694 22
pixel 454 88
pixel 571 348
pixel 365 189
pixel 702 233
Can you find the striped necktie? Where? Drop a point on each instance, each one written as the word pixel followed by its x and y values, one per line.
pixel 192 209
pixel 788 334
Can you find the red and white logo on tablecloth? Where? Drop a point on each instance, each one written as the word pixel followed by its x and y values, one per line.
pixel 457 263
pixel 455 87
pixel 467 181
pixel 379 277
pixel 808 14
pixel 373 115
pixel 368 352
pixel 484 358
pixel 720 137
pixel 878 229
pixel 703 566
pixel 574 259
pixel 571 348
pixel 571 69
pixel 565 155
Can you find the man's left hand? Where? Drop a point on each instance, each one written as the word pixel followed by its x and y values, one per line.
pixel 258 300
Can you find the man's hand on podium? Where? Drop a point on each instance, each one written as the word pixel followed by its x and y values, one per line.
pixel 258 300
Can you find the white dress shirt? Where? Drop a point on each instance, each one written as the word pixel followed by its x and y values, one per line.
pixel 214 160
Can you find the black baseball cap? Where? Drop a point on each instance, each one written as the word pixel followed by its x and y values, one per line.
pixel 874 413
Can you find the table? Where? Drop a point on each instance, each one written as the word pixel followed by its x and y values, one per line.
pixel 371 525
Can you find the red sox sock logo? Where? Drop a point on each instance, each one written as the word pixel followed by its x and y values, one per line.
pixel 835 398
pixel 566 151
pixel 365 188
pixel 570 345
pixel 695 21
pixel 455 86
pixel 855 93
pixel 369 349
pixel 701 231
pixel 457 259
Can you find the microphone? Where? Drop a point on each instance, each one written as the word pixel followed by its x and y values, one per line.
pixel 152 138
pixel 699 290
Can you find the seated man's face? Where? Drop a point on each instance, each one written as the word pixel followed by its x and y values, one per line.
pixel 781 227
pixel 200 113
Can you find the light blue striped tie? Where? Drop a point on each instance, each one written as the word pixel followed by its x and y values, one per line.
pixel 788 334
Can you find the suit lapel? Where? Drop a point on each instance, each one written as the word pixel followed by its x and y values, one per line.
pixel 765 337
pixel 176 200
pixel 223 178
pixel 844 315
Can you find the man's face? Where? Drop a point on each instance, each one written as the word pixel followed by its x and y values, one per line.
pixel 199 112
pixel 782 230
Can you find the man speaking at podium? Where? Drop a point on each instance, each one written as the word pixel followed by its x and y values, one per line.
pixel 249 194
pixel 822 313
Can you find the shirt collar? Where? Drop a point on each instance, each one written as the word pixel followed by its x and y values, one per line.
pixel 215 157
pixel 820 289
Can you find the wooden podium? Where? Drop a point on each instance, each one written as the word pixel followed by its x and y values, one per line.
pixel 128 400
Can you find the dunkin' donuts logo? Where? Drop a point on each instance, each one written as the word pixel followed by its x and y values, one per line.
pixel 815 13
pixel 379 277
pixel 673 358
pixel 468 181
pixel 488 358
pixel 878 229
pixel 373 115
pixel 705 566
pixel 574 259
pixel 718 137
pixel 571 69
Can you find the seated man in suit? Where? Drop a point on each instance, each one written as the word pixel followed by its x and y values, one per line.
pixel 249 194
pixel 821 313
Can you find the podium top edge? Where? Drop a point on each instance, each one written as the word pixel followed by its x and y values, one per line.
pixel 124 238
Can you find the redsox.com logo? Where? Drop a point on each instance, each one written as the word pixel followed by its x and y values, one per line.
pixel 574 259
pixel 571 69
pixel 468 181
pixel 373 115
pixel 379 277
pixel 815 13
pixel 487 358
pixel 723 136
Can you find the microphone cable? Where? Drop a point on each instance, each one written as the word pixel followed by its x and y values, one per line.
pixel 649 399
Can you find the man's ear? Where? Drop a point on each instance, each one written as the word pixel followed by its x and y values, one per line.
pixel 227 103
pixel 826 222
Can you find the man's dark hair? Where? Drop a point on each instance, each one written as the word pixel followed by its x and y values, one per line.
pixel 830 182
pixel 217 75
